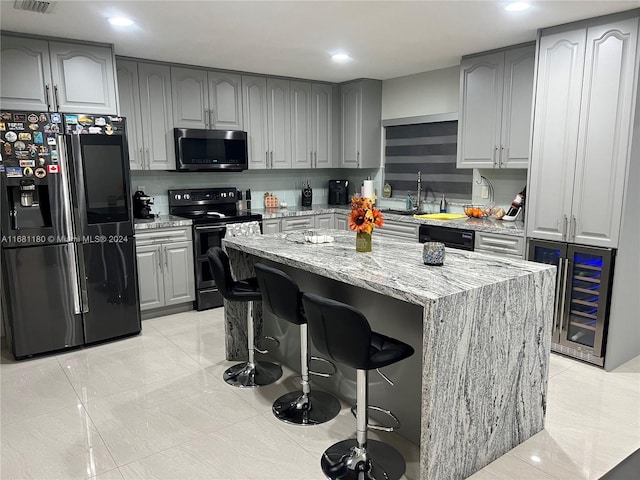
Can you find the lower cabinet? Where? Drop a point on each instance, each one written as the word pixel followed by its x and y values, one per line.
pixel 342 221
pixel 165 268
pixel 271 225
pixel 324 220
pixel 399 230
pixel 297 223
pixel 499 244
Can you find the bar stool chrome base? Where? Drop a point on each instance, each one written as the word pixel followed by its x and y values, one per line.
pixel 318 408
pixel 379 461
pixel 244 375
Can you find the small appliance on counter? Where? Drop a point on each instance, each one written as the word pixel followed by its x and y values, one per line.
pixel 338 192
pixel 307 194
pixel 515 211
pixel 142 205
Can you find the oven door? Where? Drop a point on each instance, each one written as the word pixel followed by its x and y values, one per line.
pixel 205 237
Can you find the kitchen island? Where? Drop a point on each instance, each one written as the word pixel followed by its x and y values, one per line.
pixel 480 325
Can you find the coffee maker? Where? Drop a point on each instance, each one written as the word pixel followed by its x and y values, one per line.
pixel 339 192
pixel 142 205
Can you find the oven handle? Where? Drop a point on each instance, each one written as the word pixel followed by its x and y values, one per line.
pixel 210 228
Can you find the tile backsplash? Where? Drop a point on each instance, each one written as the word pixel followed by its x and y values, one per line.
pixel 285 184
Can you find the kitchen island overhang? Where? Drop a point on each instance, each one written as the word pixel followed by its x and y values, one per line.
pixel 480 325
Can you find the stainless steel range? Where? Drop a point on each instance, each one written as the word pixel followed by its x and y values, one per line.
pixel 212 211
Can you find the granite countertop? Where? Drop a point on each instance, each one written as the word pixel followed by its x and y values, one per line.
pixel 163 221
pixel 488 225
pixel 393 268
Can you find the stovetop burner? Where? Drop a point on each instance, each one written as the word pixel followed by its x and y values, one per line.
pixel 209 206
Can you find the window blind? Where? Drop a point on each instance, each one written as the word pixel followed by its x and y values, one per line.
pixel 431 149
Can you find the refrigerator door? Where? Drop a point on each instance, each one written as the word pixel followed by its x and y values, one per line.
pixel 552 253
pixel 589 275
pixel 102 199
pixel 42 299
pixel 111 289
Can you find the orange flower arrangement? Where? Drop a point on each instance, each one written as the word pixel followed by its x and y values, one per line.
pixel 364 216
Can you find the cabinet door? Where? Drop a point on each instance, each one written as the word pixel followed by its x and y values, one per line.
pixel 279 123
pixel 225 100
pixel 351 124
pixel 603 138
pixel 297 223
pixel 25 74
pixel 271 226
pixel 129 96
pixel 157 118
pixel 322 124
pixel 254 111
pixel 555 134
pixel 342 221
pixel 190 97
pixel 517 101
pixel 324 220
pixel 301 146
pixel 178 272
pixel 84 78
pixel 481 86
pixel 150 272
pixel 399 230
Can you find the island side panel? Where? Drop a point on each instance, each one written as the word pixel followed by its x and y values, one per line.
pixel 486 361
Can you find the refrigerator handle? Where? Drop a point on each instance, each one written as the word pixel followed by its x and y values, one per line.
pixel 564 321
pixel 75 289
pixel 82 275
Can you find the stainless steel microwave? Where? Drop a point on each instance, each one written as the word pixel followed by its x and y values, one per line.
pixel 210 150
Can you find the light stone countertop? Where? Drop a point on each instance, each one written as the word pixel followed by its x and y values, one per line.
pixel 489 225
pixel 164 221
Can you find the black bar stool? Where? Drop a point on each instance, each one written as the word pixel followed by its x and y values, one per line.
pixel 250 373
pixel 281 295
pixel 343 333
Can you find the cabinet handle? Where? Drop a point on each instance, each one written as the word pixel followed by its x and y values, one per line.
pixel 572 229
pixel 266 159
pixel 160 259
pixel 358 159
pixel 271 158
pixel 495 156
pixel 311 157
pixel 141 161
pixel 46 88
pixel 212 118
pixel 148 159
pixel 564 227
pixel 502 154
pixel 166 258
pixel 55 97
pixel 206 118
pixel 315 154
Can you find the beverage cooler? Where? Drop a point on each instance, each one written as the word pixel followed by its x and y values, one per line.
pixel 583 291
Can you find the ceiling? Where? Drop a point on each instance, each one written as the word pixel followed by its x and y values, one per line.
pixel 386 39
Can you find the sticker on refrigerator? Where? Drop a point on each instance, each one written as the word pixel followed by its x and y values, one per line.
pixel 53 169
pixel 108 130
pixel 3 126
pixel 51 140
pixel 7 148
pixel 14 172
pixel 19 117
pixel 32 147
pixel 37 137
pixel 86 121
pixel 33 118
pixel 26 136
pixel 54 156
pixel 71 119
pixel 40 173
pixel 5 116
pixel 55 118
pixel 20 145
pixel 11 136
pixel 22 154
pixel 43 118
pixel 42 161
pixel 95 130
pixel 100 122
pixel 15 126
pixel 34 126
pixel 28 172
pixel 27 163
pixel 43 150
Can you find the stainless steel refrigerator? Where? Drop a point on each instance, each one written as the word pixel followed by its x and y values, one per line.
pixel 68 251
pixel 583 292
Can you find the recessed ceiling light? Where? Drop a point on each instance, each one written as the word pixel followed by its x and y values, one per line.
pixel 516 6
pixel 121 21
pixel 341 58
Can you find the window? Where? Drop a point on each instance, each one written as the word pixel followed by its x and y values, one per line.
pixel 429 148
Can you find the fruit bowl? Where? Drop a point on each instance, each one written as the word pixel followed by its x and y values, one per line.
pixel 476 211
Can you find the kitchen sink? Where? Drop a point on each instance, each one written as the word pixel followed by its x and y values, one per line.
pixel 398 212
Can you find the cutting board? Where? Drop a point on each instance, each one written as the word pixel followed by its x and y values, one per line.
pixel 440 216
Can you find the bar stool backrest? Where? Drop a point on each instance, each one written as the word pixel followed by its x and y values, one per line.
pixel 280 294
pixel 221 270
pixel 338 330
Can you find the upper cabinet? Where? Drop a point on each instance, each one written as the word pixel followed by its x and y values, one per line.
pixel 145 100
pixel 267 117
pixel 206 99
pixel 496 97
pixel 582 132
pixel 313 124
pixel 361 123
pixel 57 76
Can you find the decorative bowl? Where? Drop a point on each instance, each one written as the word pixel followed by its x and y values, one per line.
pixel 476 211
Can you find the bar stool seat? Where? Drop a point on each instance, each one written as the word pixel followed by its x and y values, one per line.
pixel 282 297
pixel 250 373
pixel 343 333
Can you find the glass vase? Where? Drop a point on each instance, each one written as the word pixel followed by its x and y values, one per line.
pixel 363 242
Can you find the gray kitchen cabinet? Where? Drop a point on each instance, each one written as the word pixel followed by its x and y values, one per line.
pixel 271 225
pixel 324 220
pixel 398 229
pixel 499 244
pixel 267 118
pixel 582 132
pixel 156 116
pixel 313 124
pixel 56 76
pixel 297 223
pixel 129 96
pixel 361 123
pixel 494 124
pixel 342 220
pixel 165 267
pixel 206 99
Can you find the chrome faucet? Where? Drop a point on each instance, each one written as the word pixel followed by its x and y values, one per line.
pixel 419 199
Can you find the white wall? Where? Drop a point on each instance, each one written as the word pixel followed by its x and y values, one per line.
pixel 424 93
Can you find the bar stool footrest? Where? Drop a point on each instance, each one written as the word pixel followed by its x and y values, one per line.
pixel 265 350
pixel 378 426
pixel 322 360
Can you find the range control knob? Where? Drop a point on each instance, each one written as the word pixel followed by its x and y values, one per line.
pixel 223 195
pixel 178 197
pixel 187 196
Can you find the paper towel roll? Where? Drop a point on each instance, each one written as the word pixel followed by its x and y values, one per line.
pixel 368 189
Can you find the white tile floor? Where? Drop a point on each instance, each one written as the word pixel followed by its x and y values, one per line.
pixel 154 406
